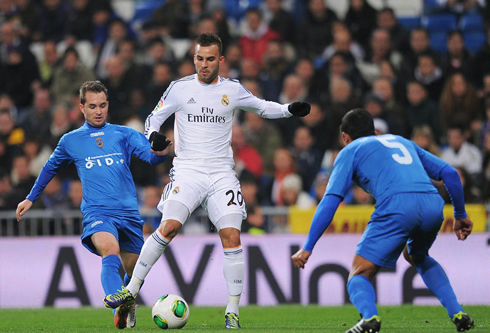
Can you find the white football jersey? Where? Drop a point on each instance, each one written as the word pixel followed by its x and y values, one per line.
pixel 203 118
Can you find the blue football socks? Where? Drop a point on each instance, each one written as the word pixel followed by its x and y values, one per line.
pixel 436 280
pixel 362 295
pixel 109 276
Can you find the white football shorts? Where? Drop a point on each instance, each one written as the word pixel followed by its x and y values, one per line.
pixel 217 191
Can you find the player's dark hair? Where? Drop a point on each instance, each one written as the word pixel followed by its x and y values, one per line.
pixel 357 123
pixel 93 86
pixel 208 39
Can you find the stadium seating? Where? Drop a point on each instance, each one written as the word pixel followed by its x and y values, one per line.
pixel 440 22
pixel 410 22
pixel 474 41
pixel 472 22
pixel 438 41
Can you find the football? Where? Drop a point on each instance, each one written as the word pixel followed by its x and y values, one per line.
pixel 170 311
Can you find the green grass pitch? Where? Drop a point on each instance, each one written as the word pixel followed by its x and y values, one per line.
pixel 284 318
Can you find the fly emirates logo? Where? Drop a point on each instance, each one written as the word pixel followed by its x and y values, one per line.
pixel 206 116
pixel 101 160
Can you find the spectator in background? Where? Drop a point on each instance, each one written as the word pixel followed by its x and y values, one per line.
pixel 481 64
pixel 37 152
pixel 375 106
pixel 281 21
pixel 457 58
pixel 6 200
pixel 256 36
pixel 284 165
pixel 293 89
pixel 8 11
pixel 103 14
pixel 361 21
pixel 49 63
pixel 139 74
pixel 119 84
pixel 461 6
pixel 162 76
pixel 68 77
pixel 29 14
pixel 419 43
pixel 75 193
pixel 462 154
pixel 150 197
pixel 60 124
pixel 172 18
pixel 305 69
pixel 459 102
pixel 255 221
pixel 293 194
pixel 158 52
pixel 381 48
pixel 7 154
pixel 274 69
pixel 421 110
pixel 20 75
pixel 36 119
pixel 233 56
pixel 342 99
pixel 11 133
pixel 424 138
pixel 22 179
pixel 308 158
pixel 264 136
pixel 54 20
pixel 386 19
pixel 342 42
pixel 321 128
pixel 118 32
pixel 384 89
pixel 430 75
pixel 315 30
pixel 80 20
pixel 245 156
pixel 7 105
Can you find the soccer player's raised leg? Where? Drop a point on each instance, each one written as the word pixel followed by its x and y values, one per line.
pixel 438 283
pixel 362 295
pixel 233 266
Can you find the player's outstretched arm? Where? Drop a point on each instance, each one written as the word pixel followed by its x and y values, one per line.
pixel 22 208
pixel 299 109
pixel 462 228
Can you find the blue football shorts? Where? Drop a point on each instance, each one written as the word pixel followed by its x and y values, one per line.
pixel 411 219
pixel 128 231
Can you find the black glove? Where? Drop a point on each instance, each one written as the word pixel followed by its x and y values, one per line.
pixel 299 109
pixel 158 141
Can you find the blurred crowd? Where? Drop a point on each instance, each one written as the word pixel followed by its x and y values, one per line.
pixel 281 51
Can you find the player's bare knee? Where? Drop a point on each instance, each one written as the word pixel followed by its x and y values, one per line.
pixel 230 237
pixel 169 228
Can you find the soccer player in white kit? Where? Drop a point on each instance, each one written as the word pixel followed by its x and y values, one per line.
pixel 203 174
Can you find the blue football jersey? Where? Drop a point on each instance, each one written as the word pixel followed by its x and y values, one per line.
pixel 384 165
pixel 102 157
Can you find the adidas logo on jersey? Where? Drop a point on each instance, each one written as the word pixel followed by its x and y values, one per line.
pixel 191 101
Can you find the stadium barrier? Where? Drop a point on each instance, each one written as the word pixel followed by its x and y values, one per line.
pixel 58 271
pixel 354 219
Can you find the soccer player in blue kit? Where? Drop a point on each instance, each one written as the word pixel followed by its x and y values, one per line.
pixel 112 226
pixel 407 215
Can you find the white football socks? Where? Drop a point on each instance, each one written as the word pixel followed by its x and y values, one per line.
pixel 151 251
pixel 234 271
